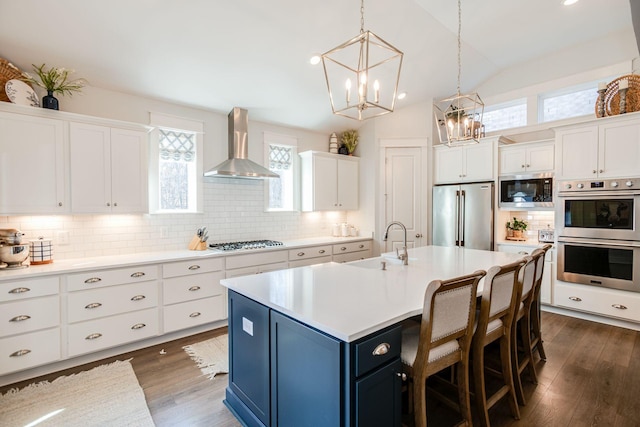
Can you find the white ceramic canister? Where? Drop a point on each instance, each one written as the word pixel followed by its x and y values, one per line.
pixel 336 230
pixel 344 229
pixel 41 251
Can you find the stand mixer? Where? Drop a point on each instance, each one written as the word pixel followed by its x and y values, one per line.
pixel 13 253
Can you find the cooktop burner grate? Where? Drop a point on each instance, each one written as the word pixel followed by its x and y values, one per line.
pixel 249 244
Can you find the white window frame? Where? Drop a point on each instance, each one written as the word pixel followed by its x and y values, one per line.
pixel 177 124
pixel 567 91
pixel 272 138
pixel 505 105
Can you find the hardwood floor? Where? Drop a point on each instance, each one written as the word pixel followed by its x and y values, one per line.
pixel 591 378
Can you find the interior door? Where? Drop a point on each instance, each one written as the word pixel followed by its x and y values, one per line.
pixel 403 196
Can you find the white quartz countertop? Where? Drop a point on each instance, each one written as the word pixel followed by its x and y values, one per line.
pixel 350 301
pixel 114 261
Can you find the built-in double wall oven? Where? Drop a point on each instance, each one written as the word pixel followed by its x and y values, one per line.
pixel 599 233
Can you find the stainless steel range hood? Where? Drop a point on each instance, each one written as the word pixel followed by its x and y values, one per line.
pixel 238 165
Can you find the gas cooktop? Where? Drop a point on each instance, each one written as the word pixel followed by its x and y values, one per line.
pixel 249 244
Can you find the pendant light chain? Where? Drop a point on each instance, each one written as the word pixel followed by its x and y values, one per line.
pixel 459 44
pixel 361 16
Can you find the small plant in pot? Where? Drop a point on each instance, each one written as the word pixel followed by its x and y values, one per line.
pixel 516 228
pixel 349 140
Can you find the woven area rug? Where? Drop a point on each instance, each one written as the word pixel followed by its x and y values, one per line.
pixel 211 356
pixel 107 395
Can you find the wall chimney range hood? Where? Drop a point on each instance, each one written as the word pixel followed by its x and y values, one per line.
pixel 238 165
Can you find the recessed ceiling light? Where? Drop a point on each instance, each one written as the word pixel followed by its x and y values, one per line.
pixel 314 60
pixel 569 2
pixel 402 95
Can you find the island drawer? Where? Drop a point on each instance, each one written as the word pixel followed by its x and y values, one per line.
pixel 376 350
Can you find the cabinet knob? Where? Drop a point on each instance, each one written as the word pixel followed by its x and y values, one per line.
pixel 528 165
pixel 594 171
pixel 578 299
pixel 300 253
pixel 108 204
pixel 59 203
pixel 20 353
pixel 343 248
pixel 601 170
pixel 321 251
pixel 522 166
pixel 402 375
pixel 361 246
pixel 418 235
pixel 115 204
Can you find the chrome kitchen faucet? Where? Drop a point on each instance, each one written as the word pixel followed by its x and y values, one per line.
pixel 402 256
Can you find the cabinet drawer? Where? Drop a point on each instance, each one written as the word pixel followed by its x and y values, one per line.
pixel 311 252
pixel 253 259
pixel 95 303
pixel 29 350
pixel 352 256
pixel 342 248
pixel 194 313
pixel 181 289
pixel 94 335
pixel 194 266
pixel 29 315
pixel 102 278
pixel 19 289
pixel 374 351
pixel 310 261
pixel 602 301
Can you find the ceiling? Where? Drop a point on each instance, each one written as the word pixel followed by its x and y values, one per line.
pixel 254 53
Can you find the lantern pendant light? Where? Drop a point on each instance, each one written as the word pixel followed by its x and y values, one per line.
pixel 459 118
pixel 362 75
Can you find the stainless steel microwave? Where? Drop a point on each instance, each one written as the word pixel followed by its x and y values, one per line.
pixel 526 191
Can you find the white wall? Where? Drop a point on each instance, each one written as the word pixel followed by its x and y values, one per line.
pixel 233 208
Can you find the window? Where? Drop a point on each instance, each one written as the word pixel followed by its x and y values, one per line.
pixel 505 116
pixel 281 158
pixel 570 102
pixel 176 166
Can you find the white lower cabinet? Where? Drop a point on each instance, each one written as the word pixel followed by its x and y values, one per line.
pixel 25 351
pixel 192 293
pixel 98 334
pixel 352 251
pixel 606 302
pixel 29 315
pixel 310 255
pixel 256 263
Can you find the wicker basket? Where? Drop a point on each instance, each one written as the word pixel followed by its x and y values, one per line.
pixel 612 97
pixel 8 71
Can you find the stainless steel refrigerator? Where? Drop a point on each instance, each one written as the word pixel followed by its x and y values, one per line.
pixel 463 215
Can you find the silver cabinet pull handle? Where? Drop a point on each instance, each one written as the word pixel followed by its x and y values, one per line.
pixel 138 298
pixel 93 305
pixel 381 349
pixel 300 253
pixel 138 274
pixel 138 326
pixel 321 251
pixel 115 204
pixel 194 267
pixel 361 246
pixel 343 248
pixel 93 336
pixel 195 314
pixel 20 353
pixel 619 306
pixel 59 203
pixel 24 317
pixel 19 290
pixel 575 299
pixel 93 280
pixel 194 288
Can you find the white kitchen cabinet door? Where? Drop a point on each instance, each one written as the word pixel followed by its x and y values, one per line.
pixel 329 181
pixel 466 163
pixel 530 158
pixel 108 169
pixel 578 151
pixel 33 175
pixel 619 149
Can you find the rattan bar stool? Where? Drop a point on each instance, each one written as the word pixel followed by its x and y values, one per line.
pixel 536 334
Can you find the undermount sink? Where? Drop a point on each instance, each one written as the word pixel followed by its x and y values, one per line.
pixel 376 263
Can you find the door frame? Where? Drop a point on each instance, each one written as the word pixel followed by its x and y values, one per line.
pixel 381 220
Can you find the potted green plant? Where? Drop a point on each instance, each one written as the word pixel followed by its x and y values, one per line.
pixel 516 228
pixel 54 80
pixel 349 140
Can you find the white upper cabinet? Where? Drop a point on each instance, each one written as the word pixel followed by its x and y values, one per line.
pixel 108 169
pixel 465 163
pixel 329 181
pixel 527 158
pixel 609 148
pixel 32 165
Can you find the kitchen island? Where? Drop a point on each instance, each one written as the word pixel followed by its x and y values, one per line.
pixel 320 345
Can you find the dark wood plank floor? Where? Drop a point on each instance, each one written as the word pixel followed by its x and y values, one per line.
pixel 591 378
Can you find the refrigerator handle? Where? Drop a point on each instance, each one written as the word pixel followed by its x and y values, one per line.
pixel 461 216
pixel 457 227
